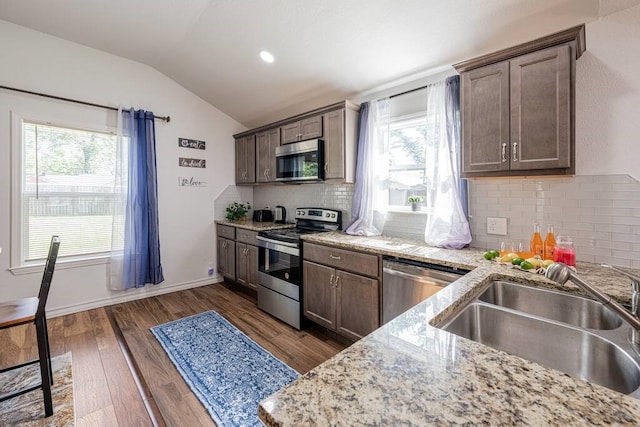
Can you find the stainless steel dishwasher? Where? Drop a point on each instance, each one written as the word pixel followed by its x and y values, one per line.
pixel 405 283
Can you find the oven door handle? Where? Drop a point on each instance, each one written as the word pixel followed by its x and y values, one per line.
pixel 275 245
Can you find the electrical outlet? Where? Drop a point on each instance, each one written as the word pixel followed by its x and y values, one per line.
pixel 497 226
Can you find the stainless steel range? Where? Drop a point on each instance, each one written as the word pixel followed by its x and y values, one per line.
pixel 280 266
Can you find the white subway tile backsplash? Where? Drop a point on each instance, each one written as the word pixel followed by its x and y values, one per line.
pixel 600 212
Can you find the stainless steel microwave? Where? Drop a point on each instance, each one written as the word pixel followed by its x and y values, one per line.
pixel 300 161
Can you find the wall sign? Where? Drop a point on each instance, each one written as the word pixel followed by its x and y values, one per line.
pixel 186 162
pixel 191 181
pixel 192 143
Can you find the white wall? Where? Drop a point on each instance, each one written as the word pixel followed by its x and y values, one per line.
pixel 38 62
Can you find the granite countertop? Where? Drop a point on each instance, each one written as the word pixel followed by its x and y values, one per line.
pixel 254 226
pixel 409 372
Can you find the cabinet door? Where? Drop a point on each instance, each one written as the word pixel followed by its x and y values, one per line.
pixel 485 118
pixel 290 132
pixel 227 258
pixel 266 143
pixel 334 144
pixel 541 110
pixel 319 297
pixel 242 264
pixel 358 300
pixel 252 266
pixel 311 128
pixel 246 160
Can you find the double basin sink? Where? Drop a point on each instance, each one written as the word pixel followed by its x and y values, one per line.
pixel 575 335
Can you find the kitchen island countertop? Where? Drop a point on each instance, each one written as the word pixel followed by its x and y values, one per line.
pixel 409 372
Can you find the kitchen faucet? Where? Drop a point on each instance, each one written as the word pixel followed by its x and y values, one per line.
pixel 559 272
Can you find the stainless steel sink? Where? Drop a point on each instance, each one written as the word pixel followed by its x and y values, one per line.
pixel 538 332
pixel 571 309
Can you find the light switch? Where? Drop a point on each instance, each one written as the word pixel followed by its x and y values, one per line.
pixel 497 226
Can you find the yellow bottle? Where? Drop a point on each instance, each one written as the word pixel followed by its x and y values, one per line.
pixel 537 246
pixel 549 243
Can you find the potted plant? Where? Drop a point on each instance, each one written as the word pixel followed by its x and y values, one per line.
pixel 415 201
pixel 237 211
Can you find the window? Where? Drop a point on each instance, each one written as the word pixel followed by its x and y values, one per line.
pixel 407 159
pixel 64 184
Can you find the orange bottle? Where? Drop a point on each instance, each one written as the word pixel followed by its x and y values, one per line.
pixel 549 243
pixel 537 246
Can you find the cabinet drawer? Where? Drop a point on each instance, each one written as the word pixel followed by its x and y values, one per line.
pixel 357 262
pixel 226 231
pixel 246 236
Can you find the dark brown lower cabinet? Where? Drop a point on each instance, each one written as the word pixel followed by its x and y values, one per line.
pixel 343 302
pixel 247 265
pixel 227 258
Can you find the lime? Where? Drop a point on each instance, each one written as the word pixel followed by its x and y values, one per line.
pixel 517 261
pixel 535 262
pixel 494 253
pixel 526 265
pixel 488 255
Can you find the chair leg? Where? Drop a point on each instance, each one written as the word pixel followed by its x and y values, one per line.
pixel 45 367
pixel 46 334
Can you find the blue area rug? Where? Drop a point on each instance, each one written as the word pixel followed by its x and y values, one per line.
pixel 226 369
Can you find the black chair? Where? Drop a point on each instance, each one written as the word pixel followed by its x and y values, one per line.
pixel 27 310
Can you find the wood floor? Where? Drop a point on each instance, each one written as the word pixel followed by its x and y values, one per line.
pixel 106 392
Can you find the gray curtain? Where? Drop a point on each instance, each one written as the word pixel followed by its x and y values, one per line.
pixel 452 105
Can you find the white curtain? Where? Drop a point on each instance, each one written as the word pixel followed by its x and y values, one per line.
pixel 371 192
pixel 120 191
pixel 447 224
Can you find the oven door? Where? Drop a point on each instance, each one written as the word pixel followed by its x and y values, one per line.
pixel 280 261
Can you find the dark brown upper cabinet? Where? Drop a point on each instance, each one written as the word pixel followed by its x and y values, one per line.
pixel 518 108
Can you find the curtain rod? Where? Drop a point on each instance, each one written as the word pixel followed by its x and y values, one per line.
pixel 166 119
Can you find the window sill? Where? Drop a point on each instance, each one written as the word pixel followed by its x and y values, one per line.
pixel 60 265
pixel 407 210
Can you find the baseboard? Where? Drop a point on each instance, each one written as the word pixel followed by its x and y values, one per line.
pixel 132 295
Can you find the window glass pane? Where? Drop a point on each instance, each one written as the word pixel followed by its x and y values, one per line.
pixel 407 160
pixel 67 189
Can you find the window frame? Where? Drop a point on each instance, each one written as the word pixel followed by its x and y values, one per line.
pixel 419 117
pixel 17 264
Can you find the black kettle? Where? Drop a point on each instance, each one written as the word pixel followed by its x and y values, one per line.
pixel 281 215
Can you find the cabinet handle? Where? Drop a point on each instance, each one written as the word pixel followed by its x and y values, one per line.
pixel 331 281
pixel 337 282
pixel 515 151
pixel 326 167
pixel 332 256
pixel 224 244
pixel 504 152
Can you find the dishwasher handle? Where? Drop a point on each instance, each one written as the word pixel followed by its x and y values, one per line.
pixel 422 274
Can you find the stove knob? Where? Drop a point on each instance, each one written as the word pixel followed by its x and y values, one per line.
pixel 327 214
pixel 333 215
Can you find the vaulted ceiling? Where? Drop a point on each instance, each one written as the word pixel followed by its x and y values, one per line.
pixel 325 50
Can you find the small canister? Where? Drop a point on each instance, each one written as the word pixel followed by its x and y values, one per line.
pixel 565 252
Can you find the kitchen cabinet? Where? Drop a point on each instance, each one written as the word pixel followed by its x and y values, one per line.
pixel 340 144
pixel 517 108
pixel 227 258
pixel 247 265
pixel 245 160
pixel 266 143
pixel 335 124
pixel 341 290
pixel 247 258
pixel 301 130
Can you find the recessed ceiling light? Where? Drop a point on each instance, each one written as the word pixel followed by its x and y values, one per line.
pixel 266 56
